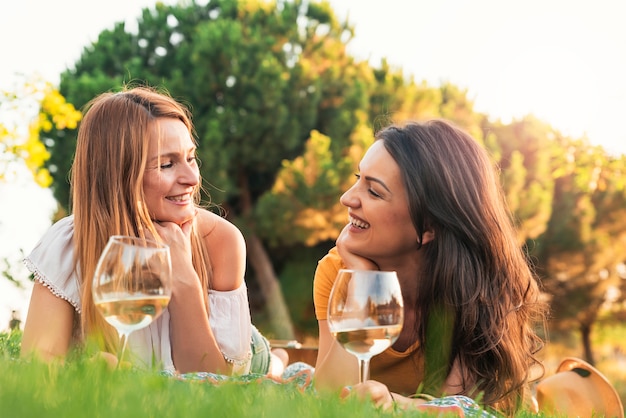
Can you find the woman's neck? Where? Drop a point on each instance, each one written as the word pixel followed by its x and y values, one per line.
pixel 408 275
pixel 407 269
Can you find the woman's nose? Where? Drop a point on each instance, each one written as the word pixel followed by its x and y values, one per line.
pixel 349 198
pixel 190 175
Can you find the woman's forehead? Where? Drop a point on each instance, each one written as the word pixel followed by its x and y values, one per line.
pixel 170 134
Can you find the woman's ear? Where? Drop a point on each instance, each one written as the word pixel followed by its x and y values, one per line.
pixel 428 236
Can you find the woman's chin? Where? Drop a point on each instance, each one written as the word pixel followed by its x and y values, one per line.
pixel 190 216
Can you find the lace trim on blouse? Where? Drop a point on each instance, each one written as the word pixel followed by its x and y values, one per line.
pixel 39 277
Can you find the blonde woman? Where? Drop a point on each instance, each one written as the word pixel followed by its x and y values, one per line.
pixel 136 173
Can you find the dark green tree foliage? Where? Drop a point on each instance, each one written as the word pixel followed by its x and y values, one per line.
pixel 245 100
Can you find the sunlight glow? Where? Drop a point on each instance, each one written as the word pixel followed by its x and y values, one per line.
pixel 561 60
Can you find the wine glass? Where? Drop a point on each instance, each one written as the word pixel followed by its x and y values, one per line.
pixel 132 283
pixel 365 313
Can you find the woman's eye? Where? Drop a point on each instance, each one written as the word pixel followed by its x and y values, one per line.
pixel 369 190
pixel 167 165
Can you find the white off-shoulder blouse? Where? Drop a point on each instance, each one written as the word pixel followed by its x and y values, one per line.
pixel 52 263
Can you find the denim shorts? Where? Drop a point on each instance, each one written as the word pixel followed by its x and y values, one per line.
pixel 260 363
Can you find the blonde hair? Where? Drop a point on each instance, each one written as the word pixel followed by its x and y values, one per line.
pixel 107 188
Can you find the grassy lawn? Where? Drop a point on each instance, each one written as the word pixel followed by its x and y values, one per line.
pixel 86 388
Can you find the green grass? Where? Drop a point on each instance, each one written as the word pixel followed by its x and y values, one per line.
pixel 88 388
pixel 84 389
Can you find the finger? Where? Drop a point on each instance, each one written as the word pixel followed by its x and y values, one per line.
pixel 441 410
pixel 186 227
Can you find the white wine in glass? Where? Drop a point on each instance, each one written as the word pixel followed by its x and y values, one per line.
pixel 132 284
pixel 365 313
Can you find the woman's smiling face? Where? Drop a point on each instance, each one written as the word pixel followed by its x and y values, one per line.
pixel 172 174
pixel 380 223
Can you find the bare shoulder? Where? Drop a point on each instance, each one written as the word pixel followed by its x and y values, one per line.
pixel 213 227
pixel 226 248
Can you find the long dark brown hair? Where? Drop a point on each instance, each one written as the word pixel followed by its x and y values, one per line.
pixel 474 266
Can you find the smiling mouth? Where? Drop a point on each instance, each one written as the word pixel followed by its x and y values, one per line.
pixel 180 198
pixel 359 224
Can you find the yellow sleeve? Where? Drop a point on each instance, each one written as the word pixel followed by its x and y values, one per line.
pixel 325 276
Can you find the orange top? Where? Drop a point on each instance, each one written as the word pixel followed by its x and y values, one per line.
pixel 403 371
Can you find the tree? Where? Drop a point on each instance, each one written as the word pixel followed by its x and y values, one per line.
pixel 306 193
pixel 524 151
pixel 259 78
pixel 283 114
pixel 584 246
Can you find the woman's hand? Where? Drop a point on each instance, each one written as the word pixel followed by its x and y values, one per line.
pixel 383 398
pixel 178 238
pixel 373 390
pixel 350 259
pixel 110 360
pixel 194 347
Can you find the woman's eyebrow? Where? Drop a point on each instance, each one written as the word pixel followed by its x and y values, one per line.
pixel 172 154
pixel 376 180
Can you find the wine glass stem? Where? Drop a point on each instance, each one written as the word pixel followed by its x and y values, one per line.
pixel 364 369
pixel 124 341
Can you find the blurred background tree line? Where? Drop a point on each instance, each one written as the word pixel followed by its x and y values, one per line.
pixel 283 114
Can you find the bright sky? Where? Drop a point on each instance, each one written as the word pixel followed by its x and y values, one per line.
pixel 562 60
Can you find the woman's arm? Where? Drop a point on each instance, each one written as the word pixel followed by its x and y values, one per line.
pixel 380 395
pixel 227 251
pixel 228 298
pixel 335 367
pixel 49 325
pixel 194 347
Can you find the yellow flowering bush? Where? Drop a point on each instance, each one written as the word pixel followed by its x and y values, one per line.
pixel 33 107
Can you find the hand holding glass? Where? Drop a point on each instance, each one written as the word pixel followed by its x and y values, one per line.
pixel 365 313
pixel 132 283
